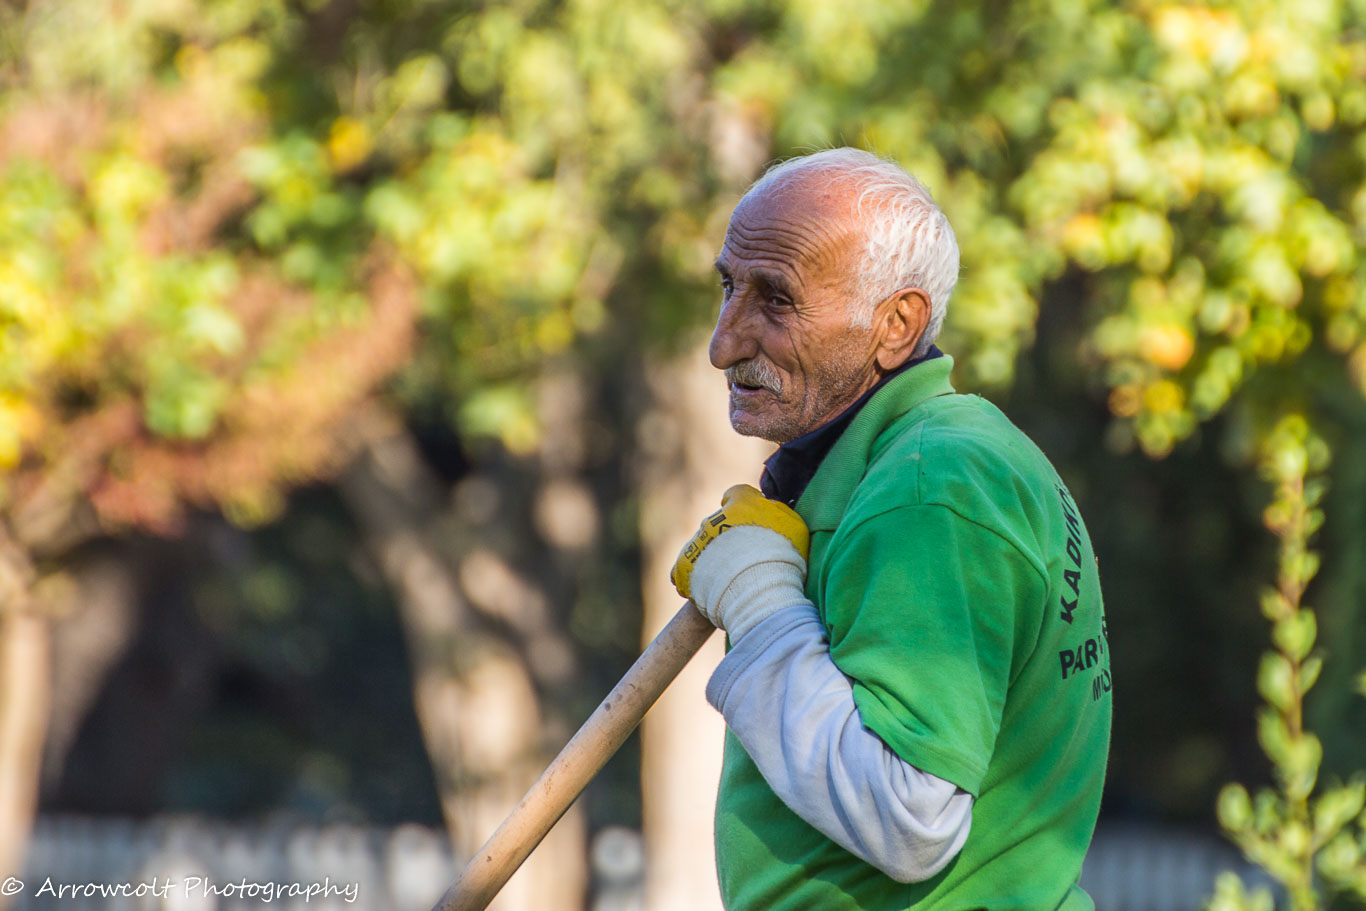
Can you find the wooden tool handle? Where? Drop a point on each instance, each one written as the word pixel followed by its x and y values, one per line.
pixel 601 736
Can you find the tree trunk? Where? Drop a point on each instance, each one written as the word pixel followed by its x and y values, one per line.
pixel 691 456
pixel 28 672
pixel 94 623
pixel 475 699
pixel 25 690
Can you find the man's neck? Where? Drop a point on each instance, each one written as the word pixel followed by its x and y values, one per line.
pixel 791 468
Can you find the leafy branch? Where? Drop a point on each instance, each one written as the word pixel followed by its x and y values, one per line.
pixel 1289 830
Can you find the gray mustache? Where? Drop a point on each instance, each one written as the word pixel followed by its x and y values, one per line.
pixel 755 373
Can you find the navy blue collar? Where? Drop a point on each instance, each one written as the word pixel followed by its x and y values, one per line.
pixel 791 468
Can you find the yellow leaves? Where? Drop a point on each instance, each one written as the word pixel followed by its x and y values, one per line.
pixel 554 333
pixel 20 424
pixel 1342 332
pixel 241 59
pixel 348 143
pixel 1249 95
pixel 1123 233
pixel 1214 383
pixel 1318 111
pixel 839 44
pixel 1258 194
pixel 1181 161
pixel 1271 276
pixel 1214 37
pixel 506 259
pixel 1321 243
pixel 224 72
pixel 418 84
pixel 505 412
pixel 22 297
pixel 1265 344
pixel 996 307
pixel 209 327
pixel 542 83
pixel 1163 379
pixel 481 44
pixel 1257 50
pixel 1168 346
pixel 1158 432
pixel 1139 235
pixel 588 314
pixel 1125 400
pixel 762 78
pixel 192 62
pixel 474 215
pixel 123 188
pixel 1163 397
pixel 1289 450
pixel 1273 334
pixel 611 107
pixel 390 115
pixel 1083 239
pixel 1157 143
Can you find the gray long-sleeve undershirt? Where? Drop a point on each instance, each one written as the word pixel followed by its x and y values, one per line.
pixel 793 711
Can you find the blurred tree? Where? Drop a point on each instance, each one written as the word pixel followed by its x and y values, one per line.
pixel 265 676
pixel 152 361
pixel 219 220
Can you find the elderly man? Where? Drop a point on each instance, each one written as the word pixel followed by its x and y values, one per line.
pixel 917 695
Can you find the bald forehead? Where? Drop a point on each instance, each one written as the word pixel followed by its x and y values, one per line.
pixel 806 219
pixel 817 195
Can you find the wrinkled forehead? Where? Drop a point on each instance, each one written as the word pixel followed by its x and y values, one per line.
pixel 804 221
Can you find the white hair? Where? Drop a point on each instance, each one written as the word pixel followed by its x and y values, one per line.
pixel 908 243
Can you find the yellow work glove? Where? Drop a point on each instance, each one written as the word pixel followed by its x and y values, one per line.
pixel 741 505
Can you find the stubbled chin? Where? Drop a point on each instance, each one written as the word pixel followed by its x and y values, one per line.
pixel 751 424
pixel 745 422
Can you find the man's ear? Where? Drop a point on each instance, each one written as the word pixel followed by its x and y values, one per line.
pixel 904 317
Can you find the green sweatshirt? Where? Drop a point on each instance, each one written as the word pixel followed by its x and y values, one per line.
pixel 957 585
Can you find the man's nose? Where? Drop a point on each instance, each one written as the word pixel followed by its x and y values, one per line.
pixel 730 342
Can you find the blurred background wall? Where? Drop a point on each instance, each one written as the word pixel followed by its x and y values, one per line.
pixel 352 397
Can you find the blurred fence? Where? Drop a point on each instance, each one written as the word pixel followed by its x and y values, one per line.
pixel 204 865
pixel 1144 868
pixel 177 864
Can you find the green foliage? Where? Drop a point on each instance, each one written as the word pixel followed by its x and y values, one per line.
pixel 1200 162
pixel 1292 831
pixel 172 272
pixel 221 221
pixel 1199 165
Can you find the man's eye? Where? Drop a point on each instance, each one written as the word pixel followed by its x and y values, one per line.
pixel 727 287
pixel 780 301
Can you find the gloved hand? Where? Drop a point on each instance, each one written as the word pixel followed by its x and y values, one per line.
pixel 757 568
